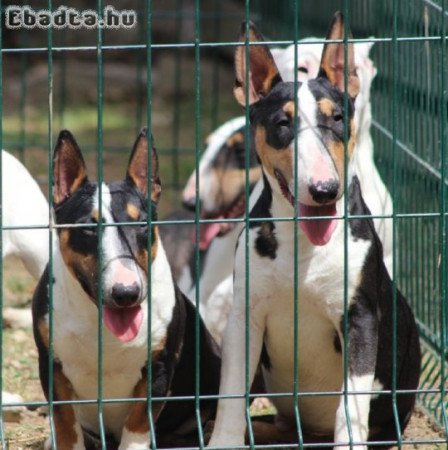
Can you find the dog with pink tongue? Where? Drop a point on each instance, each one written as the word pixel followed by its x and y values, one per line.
pixel 100 277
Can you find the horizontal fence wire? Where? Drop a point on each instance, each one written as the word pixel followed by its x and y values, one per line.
pixel 409 129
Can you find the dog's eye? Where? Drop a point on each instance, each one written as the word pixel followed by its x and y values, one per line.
pixel 302 69
pixel 143 227
pixel 92 229
pixel 283 122
pixel 337 117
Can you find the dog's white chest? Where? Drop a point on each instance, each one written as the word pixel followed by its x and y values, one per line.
pixel 320 306
pixel 76 347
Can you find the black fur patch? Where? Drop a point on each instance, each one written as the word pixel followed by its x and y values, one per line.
pixel 333 125
pixel 371 329
pixel 262 207
pixel 269 114
pixel 362 228
pixel 264 358
pixel 337 343
pixel 233 156
pixel 266 243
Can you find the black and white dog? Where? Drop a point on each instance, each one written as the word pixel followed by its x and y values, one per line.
pixel 125 333
pixel 321 177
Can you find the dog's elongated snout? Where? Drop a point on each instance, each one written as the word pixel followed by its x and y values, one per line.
pixel 324 191
pixel 125 295
pixel 189 203
pixel 189 194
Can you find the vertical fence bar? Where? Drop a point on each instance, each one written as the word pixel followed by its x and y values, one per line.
pixel 394 114
pixel 2 431
pixel 51 231
pixel 149 171
pixel 247 139
pixel 23 93
pixel 295 231
pixel 443 222
pixel 215 97
pixel 177 94
pixel 140 62
pixel 102 432
pixel 197 146
pixel 345 215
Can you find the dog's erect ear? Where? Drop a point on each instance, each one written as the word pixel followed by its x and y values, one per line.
pixel 333 64
pixel 138 167
pixel 69 168
pixel 263 73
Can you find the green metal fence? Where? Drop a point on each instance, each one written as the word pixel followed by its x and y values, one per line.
pixel 409 101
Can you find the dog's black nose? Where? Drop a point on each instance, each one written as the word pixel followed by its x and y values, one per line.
pixel 324 191
pixel 125 295
pixel 190 204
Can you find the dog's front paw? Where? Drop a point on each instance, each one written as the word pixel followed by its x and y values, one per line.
pixel 134 441
pixel 229 442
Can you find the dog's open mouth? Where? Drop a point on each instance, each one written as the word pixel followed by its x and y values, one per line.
pixel 124 323
pixel 208 231
pixel 319 232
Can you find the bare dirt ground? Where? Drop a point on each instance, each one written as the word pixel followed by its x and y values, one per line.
pixel 20 376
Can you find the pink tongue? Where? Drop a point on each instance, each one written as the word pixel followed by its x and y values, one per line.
pixel 318 232
pixel 123 322
pixel 207 233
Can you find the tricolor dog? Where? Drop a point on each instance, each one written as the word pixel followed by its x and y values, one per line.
pixel 126 255
pixel 319 198
pixel 222 181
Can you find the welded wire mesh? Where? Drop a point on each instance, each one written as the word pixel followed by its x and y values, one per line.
pixel 409 99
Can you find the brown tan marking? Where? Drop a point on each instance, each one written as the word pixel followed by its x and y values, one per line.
pixel 155 244
pixel 72 259
pixel 137 421
pixel 142 256
pixel 132 211
pixel 234 139
pixel 333 59
pixel 336 150
pixel 232 182
pixel 64 415
pixel 263 73
pixel 44 332
pixel 68 167
pixel 138 167
pixel 95 215
pixel 271 158
pixel 326 107
pixel 290 109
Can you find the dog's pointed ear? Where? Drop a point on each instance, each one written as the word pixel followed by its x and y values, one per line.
pixel 263 72
pixel 333 64
pixel 137 171
pixel 69 168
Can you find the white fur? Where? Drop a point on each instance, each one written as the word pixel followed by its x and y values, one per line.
pixel 320 307
pixel 134 441
pixel 358 412
pixel 76 336
pixel 23 204
pixel 312 153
